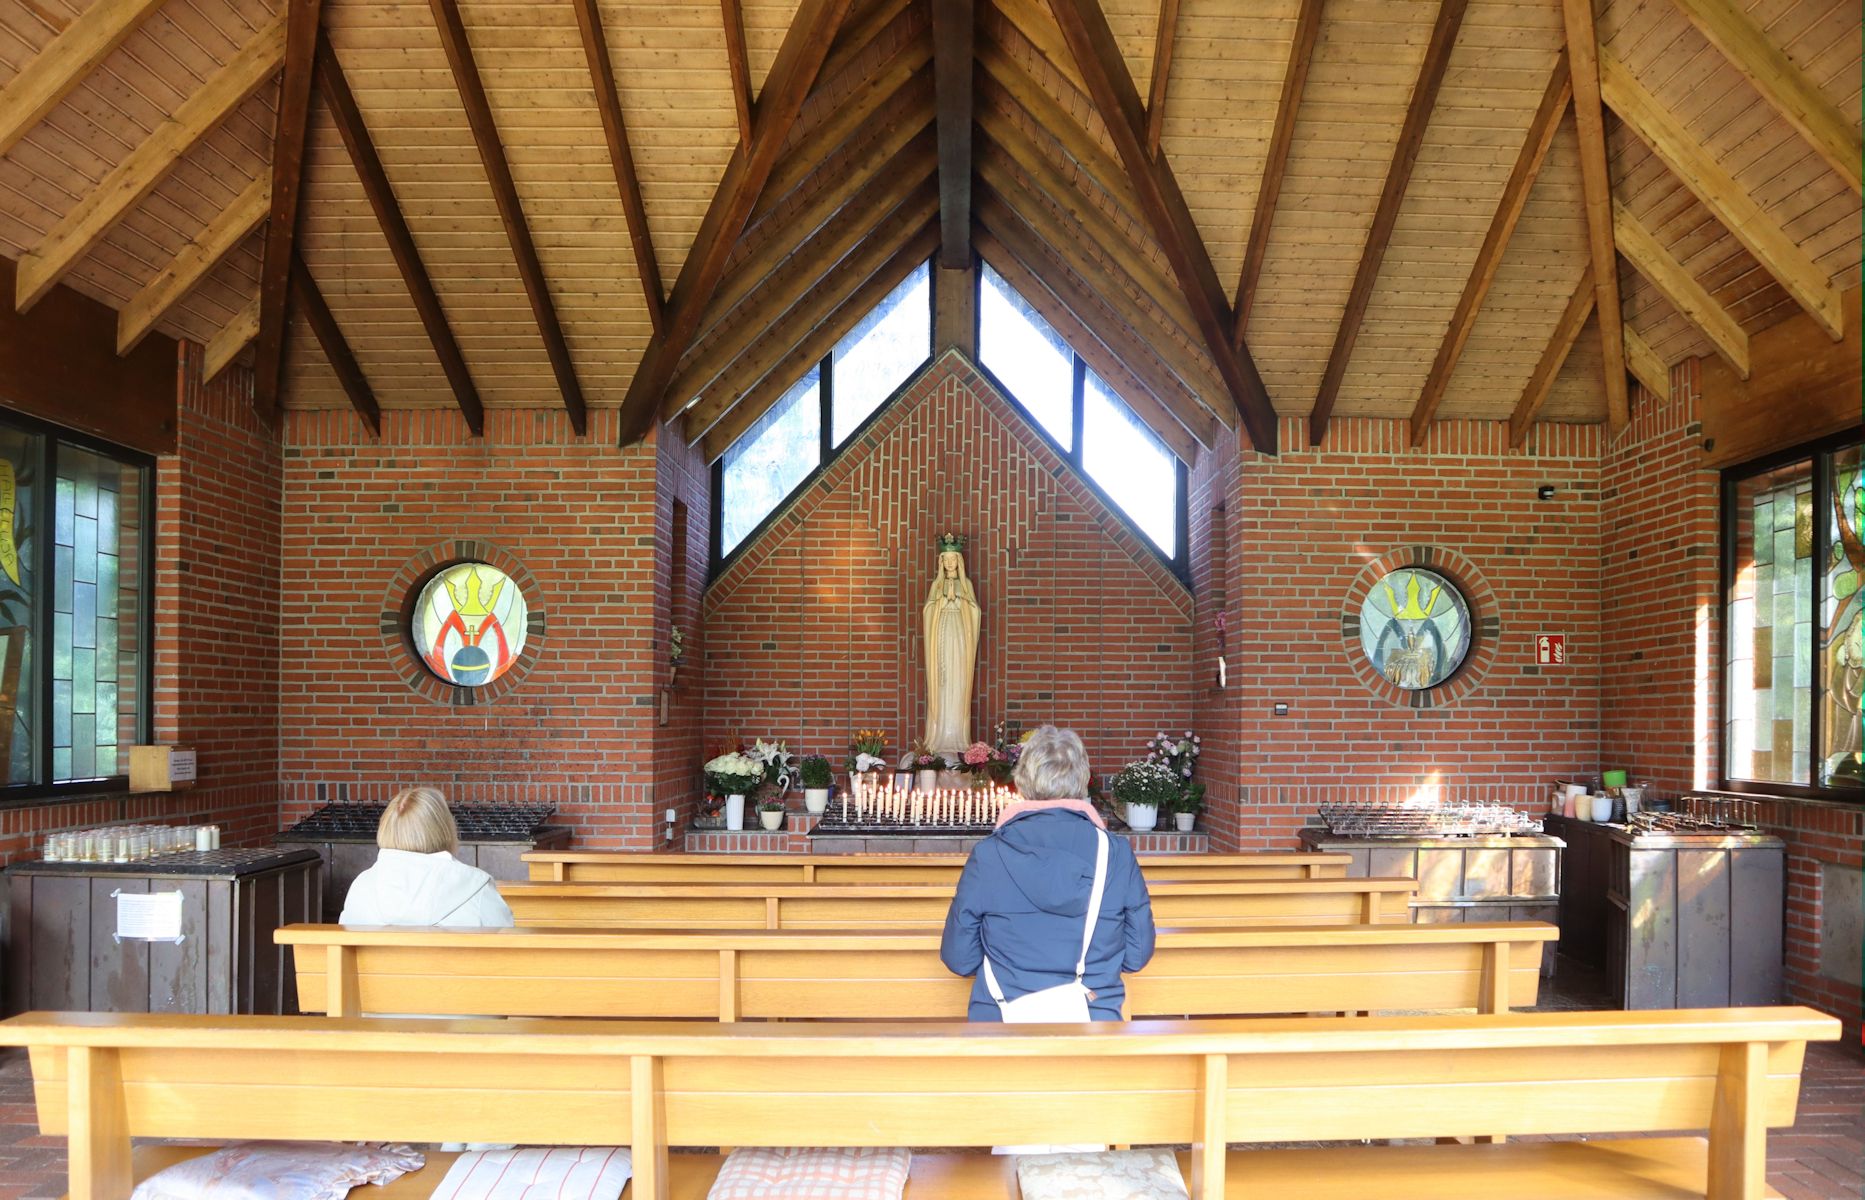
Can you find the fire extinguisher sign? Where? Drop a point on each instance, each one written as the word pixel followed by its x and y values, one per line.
pixel 1551 649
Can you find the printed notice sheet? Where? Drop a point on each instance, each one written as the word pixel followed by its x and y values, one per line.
pixel 155 917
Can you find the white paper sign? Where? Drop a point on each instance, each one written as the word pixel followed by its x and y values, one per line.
pixel 155 917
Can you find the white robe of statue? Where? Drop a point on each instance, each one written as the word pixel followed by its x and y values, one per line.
pixel 950 618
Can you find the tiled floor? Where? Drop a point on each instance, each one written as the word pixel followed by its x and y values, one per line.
pixel 1821 1158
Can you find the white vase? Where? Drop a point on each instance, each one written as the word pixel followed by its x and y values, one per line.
pixel 1142 818
pixel 1184 821
pixel 1602 808
pixel 734 811
pixel 771 818
pixel 816 800
pixel 928 780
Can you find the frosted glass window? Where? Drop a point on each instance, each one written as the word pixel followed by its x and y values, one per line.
pixel 767 463
pixel 1027 356
pixel 881 353
pixel 1129 462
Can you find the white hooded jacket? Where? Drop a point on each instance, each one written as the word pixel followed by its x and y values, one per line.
pixel 405 888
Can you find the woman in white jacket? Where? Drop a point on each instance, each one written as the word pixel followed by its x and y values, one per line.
pixel 416 879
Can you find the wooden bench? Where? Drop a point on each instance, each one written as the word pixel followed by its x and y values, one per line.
pixel 101 1079
pixel 585 866
pixel 1225 903
pixel 789 974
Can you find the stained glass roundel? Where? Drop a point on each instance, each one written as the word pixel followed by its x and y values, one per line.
pixel 1415 628
pixel 469 623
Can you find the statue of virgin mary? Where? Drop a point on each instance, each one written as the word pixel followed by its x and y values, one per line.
pixel 950 618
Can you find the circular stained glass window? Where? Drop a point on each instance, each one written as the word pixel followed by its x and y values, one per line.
pixel 1415 628
pixel 469 623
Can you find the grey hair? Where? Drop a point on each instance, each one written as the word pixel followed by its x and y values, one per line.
pixel 1054 766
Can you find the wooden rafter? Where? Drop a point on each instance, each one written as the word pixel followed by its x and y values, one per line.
pixel 192 264
pixel 1276 163
pixel 348 119
pixel 459 51
pixel 810 334
pixel 233 337
pixel 811 32
pixel 1522 178
pixel 317 315
pixel 1783 85
pixel 1163 39
pixel 133 178
pixel 859 30
pixel 51 74
pixel 954 37
pixel 1580 306
pixel 281 236
pixel 1689 297
pixel 621 157
pixel 738 57
pixel 1645 365
pixel 1583 59
pixel 1386 215
pixel 1760 234
pixel 1018 91
pixel 1031 18
pixel 1110 86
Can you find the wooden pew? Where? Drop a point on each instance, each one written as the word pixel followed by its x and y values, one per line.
pixel 789 974
pixel 588 866
pixel 101 1079
pixel 1225 903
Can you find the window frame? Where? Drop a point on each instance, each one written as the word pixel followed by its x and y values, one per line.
pixel 1819 452
pixel 23 795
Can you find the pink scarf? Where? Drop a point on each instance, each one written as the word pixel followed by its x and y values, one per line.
pixel 1018 808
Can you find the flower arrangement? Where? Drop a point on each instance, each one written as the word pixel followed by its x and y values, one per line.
pixel 867 752
pixel 993 761
pixel 1146 783
pixel 774 762
pixel 1179 755
pixel 734 773
pixel 771 804
pixel 926 760
pixel 815 772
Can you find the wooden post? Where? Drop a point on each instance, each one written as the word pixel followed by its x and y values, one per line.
pixel 1738 1124
pixel 728 985
pixel 1495 977
pixel 955 310
pixel 647 1140
pixel 98 1125
pixel 1208 1152
pixel 342 990
pixel 773 916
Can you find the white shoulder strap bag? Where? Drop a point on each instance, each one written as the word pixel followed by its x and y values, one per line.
pixel 1065 1001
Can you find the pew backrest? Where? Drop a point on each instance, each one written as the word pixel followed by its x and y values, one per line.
pixel 101 1079
pixel 587 866
pixel 788 974
pixel 1220 903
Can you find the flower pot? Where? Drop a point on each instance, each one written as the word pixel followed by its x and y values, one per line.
pixel 735 811
pixel 928 780
pixel 1602 808
pixel 1184 821
pixel 771 818
pixel 816 800
pixel 1142 818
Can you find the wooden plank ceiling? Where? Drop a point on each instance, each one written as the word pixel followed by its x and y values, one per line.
pixel 671 206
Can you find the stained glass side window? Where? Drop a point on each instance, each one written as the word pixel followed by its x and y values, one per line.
pixel 1769 618
pixel 1029 356
pixel 879 354
pixel 1130 463
pixel 772 457
pixel 91 610
pixel 1842 623
pixel 21 455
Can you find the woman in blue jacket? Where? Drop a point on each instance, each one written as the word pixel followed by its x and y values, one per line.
pixel 1023 896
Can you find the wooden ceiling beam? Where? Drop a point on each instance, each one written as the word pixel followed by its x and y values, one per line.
pixel 1688 159
pixel 1649 258
pixel 287 170
pixel 738 59
pixel 459 51
pixel 1163 39
pixel 955 28
pixel 136 176
pixel 811 333
pixel 1276 163
pixel 317 315
pixel 192 264
pixel 1580 306
pixel 1645 365
pixel 1022 92
pixel 233 337
pixel 1386 215
pixel 811 32
pixel 51 74
pixel 1783 85
pixel 1101 354
pixel 621 157
pixel 1534 152
pixel 858 31
pixel 1583 60
pixel 1031 18
pixel 1110 86
pixel 348 119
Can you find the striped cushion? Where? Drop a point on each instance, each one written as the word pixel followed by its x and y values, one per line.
pixel 798 1174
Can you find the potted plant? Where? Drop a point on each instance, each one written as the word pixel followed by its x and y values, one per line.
pixel 1143 787
pixel 1186 806
pixel 733 775
pixel 928 765
pixel 771 813
pixel 867 755
pixel 1179 755
pixel 817 779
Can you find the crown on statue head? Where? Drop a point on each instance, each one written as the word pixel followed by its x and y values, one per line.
pixel 951 542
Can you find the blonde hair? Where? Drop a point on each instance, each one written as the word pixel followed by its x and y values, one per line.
pixel 1054 766
pixel 418 820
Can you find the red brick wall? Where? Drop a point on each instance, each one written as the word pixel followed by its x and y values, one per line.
pixel 577 513
pixel 812 632
pixel 682 508
pixel 1213 504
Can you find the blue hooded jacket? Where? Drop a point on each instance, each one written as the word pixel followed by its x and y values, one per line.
pixel 1022 899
